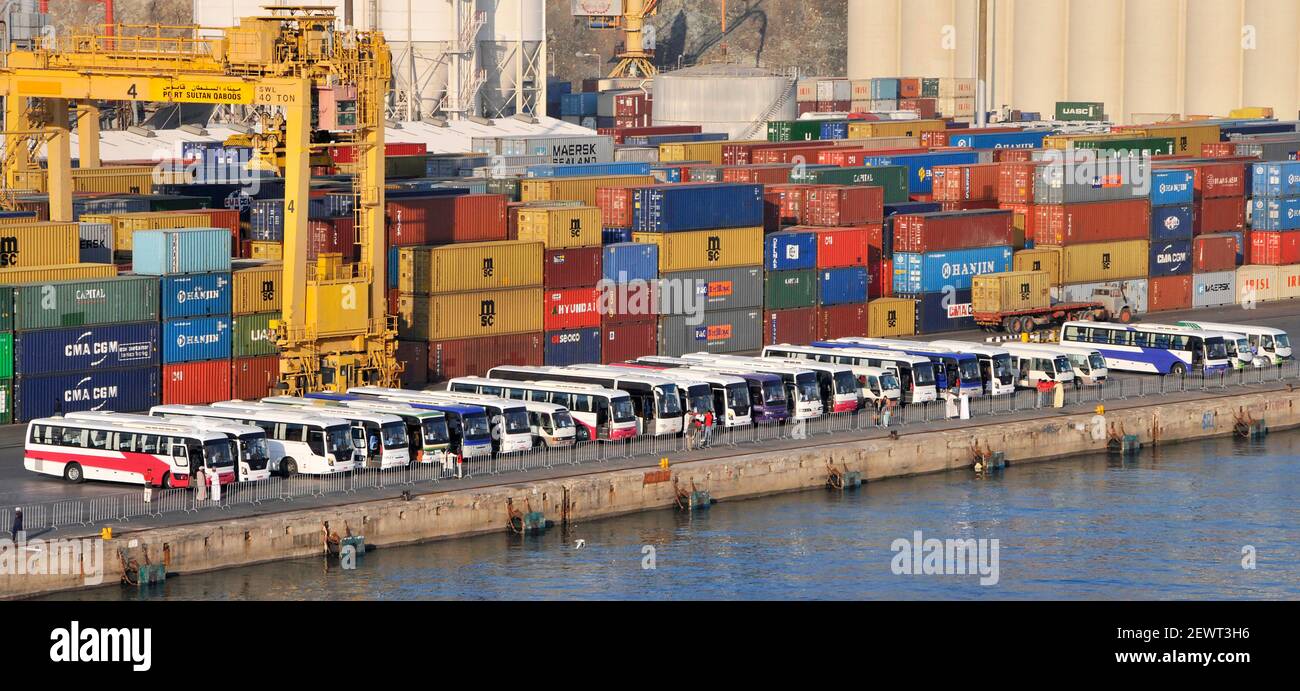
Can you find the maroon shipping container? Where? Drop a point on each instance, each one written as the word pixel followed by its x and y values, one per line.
pixel 924 107
pixel 1016 181
pixel 807 107
pixel 1219 178
pixel 1214 253
pixel 951 230
pixel 1218 215
pixel 473 357
pixel 1169 293
pixel 631 121
pixel 1274 248
pixel 790 152
pixel 1075 224
pixel 196 382
pixel 572 268
pixel 415 354
pixel 443 220
pixel 970 206
pixel 621 133
pixel 842 321
pixel 622 342
pixel 767 174
pixel 631 105
pixel 332 235
pixel 252 377
pixel 830 205
pixel 784 205
pixel 964 183
pixel 794 327
pixel 834 106
pixel 615 206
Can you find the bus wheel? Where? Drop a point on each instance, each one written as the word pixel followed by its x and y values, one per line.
pixel 1179 369
pixel 168 482
pixel 72 473
pixel 288 467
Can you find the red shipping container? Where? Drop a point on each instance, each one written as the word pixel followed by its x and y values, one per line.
pixel 767 174
pixel 880 276
pixel 1219 178
pixel 623 342
pixel 245 249
pixel 972 182
pixel 1218 215
pixel 924 107
pixel 415 354
pixel 846 157
pixel 742 153
pixel 841 321
pixel 1214 253
pixel 1169 293
pixel 834 106
pixel 631 105
pixel 196 382
pixel 970 206
pixel 473 357
pixel 332 235
pixel 615 206
pixel 845 247
pixel 442 220
pixel 1016 182
pixel 347 154
pixel 793 327
pixel 1218 149
pixel 802 152
pixel 909 87
pixel 572 308
pixel 1274 248
pixel 831 205
pixel 627 121
pixel 784 204
pixel 952 230
pixel 572 268
pixel 1074 224
pixel 252 377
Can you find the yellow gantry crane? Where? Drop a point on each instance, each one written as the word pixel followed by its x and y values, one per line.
pixel 335 331
pixel 636 60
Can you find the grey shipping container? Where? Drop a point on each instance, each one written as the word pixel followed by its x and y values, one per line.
pixel 1134 291
pixel 718 289
pixel 86 301
pixel 580 149
pixel 724 331
pixel 1214 289
pixel 1070 182
pixel 96 243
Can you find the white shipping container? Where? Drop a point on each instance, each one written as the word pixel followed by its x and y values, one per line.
pixel 956 87
pixel 1214 289
pixel 637 154
pixel 956 107
pixel 806 91
pixel 579 149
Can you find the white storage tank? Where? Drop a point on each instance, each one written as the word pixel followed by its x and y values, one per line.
pixel 734 99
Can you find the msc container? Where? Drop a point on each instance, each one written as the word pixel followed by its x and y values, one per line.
pixel 190 340
pixel 790 326
pixel 123 390
pixel 1134 292
pixel 572 347
pixel 844 205
pixel 1104 261
pixel 1064 183
pixel 889 317
pixel 571 268
pixel 790 289
pixel 85 349
pixel 1212 253
pixel 582 189
pixel 723 331
pixel 890 177
pixel 560 227
pixel 629 341
pixel 937 271
pixel 1219 215
pixel 196 295
pixel 475 356
pixel 841 247
pixel 735 288
pixel 894 128
pixel 457 316
pixel 41 244
pixel 630 261
pixel 709 152
pixel 1214 289
pixel 266 251
pixel 255 287
pixel 252 335
pixel 252 378
pixel 1011 291
pixel 96 243
pixel 676 208
pixel 571 308
pixel 446 219
pixel 790 251
pixel 1276 179
pixel 1172 186
pixel 951 230
pixel 943 312
pixel 842 286
pixel 841 321
pixel 196 383
pixel 1169 293
pixel 181 251
pixel 1275 213
pixel 1171 222
pixel 1171 258
pixel 706 249
pixel 83 302
pixel 469 266
pixel 1257 284
pixel 1274 248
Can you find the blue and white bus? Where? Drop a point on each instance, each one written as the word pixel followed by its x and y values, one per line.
pixel 961 370
pixel 471 433
pixel 1157 349
pixel 917 375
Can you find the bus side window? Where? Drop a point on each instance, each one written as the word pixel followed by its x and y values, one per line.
pixel 99 439
pixel 295 432
pixel 1142 339
pixel 1071 333
pixel 539 396
pixel 1160 341
pixel 316 442
pixel 1268 343
pixel 125 441
pixel 73 436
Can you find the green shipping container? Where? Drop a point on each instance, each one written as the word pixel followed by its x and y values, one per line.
pixel 1148 146
pixel 82 302
pixel 507 186
pixel 794 130
pixel 6 308
pixel 1088 111
pixel 6 401
pixel 6 355
pixel 252 334
pixel 783 290
pixel 929 88
pixel 892 178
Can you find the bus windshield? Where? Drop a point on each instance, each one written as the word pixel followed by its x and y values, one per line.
pixel 970 370
pixel 1002 368
pixel 1096 361
pixel 1282 340
pixel 339 441
pixel 218 454
pixel 517 421
pixel 435 430
pixel 255 451
pixel 1215 348
pixel 923 375
pixel 700 397
pixel 773 392
pixel 738 394
pixel 394 435
pixel 476 426
pixel 888 382
pixel 563 420
pixel 622 409
pixel 806 384
pixel 669 404
pixel 845 382
pixel 1062 364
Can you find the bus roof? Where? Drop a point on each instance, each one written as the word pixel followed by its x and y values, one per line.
pixel 1245 329
pixel 971 347
pixel 674 377
pixel 907 346
pixel 333 408
pixel 740 362
pixel 273 413
pixel 207 423
pixel 449 407
pixel 377 405
pixel 869 351
pixel 114 422
pixel 568 387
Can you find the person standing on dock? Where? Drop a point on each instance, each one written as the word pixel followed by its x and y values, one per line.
pixel 200 485
pixel 215 478
pixel 17 526
pixel 708 428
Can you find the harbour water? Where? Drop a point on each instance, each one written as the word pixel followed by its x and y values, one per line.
pixel 1173 523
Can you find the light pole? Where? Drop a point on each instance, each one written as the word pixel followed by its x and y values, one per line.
pixel 591 55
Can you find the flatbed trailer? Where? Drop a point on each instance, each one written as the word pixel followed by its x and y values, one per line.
pixel 1026 321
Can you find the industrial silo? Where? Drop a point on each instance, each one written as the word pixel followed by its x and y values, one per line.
pixel 734 99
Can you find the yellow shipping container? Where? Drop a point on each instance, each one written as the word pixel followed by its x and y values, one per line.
pixel 1257 284
pixel 1010 291
pixel 1251 112
pixel 256 286
pixel 125 225
pixel 560 227
pixel 470 315
pixel 872 143
pixel 1187 137
pixel 469 266
pixel 706 249
pixel 894 128
pixel 39 244
pixel 1288 282
pixel 580 188
pixel 110 180
pixel 887 317
pixel 1104 261
pixel 268 250
pixel 693 151
pixel 1040 259
pixel 61 272
pixel 20 220
pixel 338 307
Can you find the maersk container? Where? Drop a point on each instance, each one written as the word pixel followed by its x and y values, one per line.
pixel 568 170
pixel 181 251
pixel 1172 186
pixel 196 295
pixel 96 243
pixel 1171 222
pixel 190 340
pixel 558 149
pixel 790 251
pixel 1275 213
pixel 784 290
pixel 80 302
pixel 86 349
pixel 630 261
pixel 1170 258
pixel 674 208
pixel 943 311
pixel 1276 179
pixel 842 286
pixel 1214 289
pixel 1027 139
pixel 725 331
pixel 936 271
pixel 920 167
pixel 124 390
pixel 572 347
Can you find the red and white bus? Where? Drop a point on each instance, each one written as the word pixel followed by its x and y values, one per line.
pixel 117 450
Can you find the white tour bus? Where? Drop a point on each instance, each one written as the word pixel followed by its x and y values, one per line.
pixel 1034 366
pixel 994 362
pixel 696 394
pixel 655 401
pixel 1088 364
pixel 552 425
pixel 873 382
pixel 1270 344
pixel 252 458
pixel 840 390
pixel 915 373
pixel 507 419
pixel 299 441
pixel 729 392
pixel 158 454
pixel 1241 354
pixel 803 391
pixel 381 437
pixel 604 414
pixel 1159 350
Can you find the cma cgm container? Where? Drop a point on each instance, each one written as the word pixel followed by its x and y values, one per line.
pixel 1069 224
pixel 181 251
pixel 1171 222
pixel 189 340
pixel 630 261
pixel 724 331
pixel 675 208
pixel 942 312
pixel 1169 293
pixel 706 249
pixel 196 382
pixel 123 390
pixel 735 288
pixel 1134 292
pixel 936 271
pixel 446 219
pixel 1216 252
pixel 951 230
pixel 572 347
pixel 1214 289
pixel 1170 258
pixel 475 356
pixel 842 286
pixel 841 321
pixel 1275 213
pixel 790 251
pixel 571 268
pixel 623 342
pixel 889 317
pixel 85 349
pixel 83 302
pixel 1172 186
pixel 1276 179
pixel 1104 261
pixel 793 326
pixel 195 295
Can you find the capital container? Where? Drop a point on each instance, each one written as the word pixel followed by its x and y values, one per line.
pixel 941 312
pixel 1010 291
pixel 704 249
pixel 1274 248
pixel 841 247
pixel 572 347
pixel 791 289
pixel 1276 179
pixel 842 321
pixel 1257 284
pixel 920 167
pixel 715 289
pixel 457 316
pixel 196 295
pixel 951 230
pixel 675 208
pixel 790 326
pixel 256 286
pixel 1172 222
pixel 1134 292
pixel 181 251
pixel 571 308
pixel 790 250
pixel 629 341
pixel 1172 186
pixel 845 205
pixel 40 244
pixel 894 179
pixel 469 266
pixel 842 286
pixel 936 271
pixel 475 356
pixel 85 349
pixel 1219 215
pixel 1097 181
pixel 966 183
pixel 196 383
pixel 252 336
pixel 1214 289
pixel 891 316
pixel 1069 224
pixel 446 219
pixel 1275 213
pixel 1104 261
pixel 571 268
pixel 122 390
pixel 1170 258
pixel 1215 252
pixel 85 301
pixel 630 261
pixel 96 243
pixel 560 227
pixel 200 338
pixel 1169 293
pixel 577 188
pixel 723 331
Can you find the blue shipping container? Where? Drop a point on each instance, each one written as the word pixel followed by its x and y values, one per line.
pixel 936 271
pixel 788 251
pixel 126 390
pixel 578 104
pixel 1170 258
pixel 1171 222
pixel 85 349
pixel 938 312
pixel 1273 213
pixel 191 340
pixel 920 167
pixel 884 88
pixel 657 139
pixel 843 286
pixel 835 129
pixel 614 236
pixel 630 261
pixel 574 347
pixel 394 258
pixel 667 174
pixel 1171 187
pixel 195 295
pixel 567 170
pixel 181 251
pixel 1276 179
pixel 1028 139
pixel 665 209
